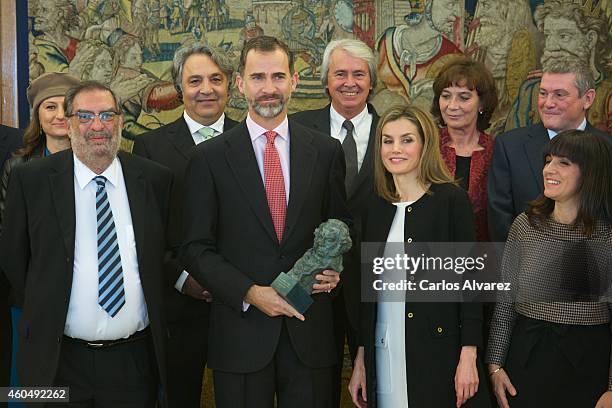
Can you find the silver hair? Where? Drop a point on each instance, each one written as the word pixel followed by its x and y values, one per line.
pixel 584 76
pixel 215 54
pixel 356 49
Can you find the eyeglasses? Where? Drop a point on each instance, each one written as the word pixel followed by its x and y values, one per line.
pixel 87 118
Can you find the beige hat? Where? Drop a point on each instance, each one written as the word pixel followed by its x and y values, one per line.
pixel 49 85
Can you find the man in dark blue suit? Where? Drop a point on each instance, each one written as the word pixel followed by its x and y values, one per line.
pixel 202 77
pixel 567 91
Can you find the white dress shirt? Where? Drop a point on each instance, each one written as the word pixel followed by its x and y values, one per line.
pixel 552 133
pixel 86 319
pixel 194 127
pixel 361 133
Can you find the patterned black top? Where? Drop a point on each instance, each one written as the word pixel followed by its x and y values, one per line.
pixel 542 263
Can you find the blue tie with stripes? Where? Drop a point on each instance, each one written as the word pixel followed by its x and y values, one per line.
pixel 111 295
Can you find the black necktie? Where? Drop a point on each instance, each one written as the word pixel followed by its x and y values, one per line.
pixel 350 154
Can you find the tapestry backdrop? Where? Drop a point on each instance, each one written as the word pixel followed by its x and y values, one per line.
pixel 129 44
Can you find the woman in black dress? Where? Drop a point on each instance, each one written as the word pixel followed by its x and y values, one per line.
pixel 416 354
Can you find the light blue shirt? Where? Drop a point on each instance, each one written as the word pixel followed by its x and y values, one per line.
pixel 552 133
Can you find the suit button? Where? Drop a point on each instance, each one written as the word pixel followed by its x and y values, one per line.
pixel 409 209
pixel 59 339
pixel 439 329
pixel 281 257
pixel 67 259
pixel 411 277
pixel 409 240
pixel 410 315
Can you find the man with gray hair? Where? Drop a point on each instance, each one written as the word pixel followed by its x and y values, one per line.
pixel 566 92
pixel 202 76
pixel 83 244
pixel 348 74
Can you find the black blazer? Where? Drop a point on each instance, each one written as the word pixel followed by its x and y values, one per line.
pixel 37 253
pixel 515 176
pixel 171 145
pixel 435 332
pixel 361 191
pixel 230 243
pixel 10 140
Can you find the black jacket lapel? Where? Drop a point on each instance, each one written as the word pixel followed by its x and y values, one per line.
pixel 534 148
pixel 62 190
pixel 136 188
pixel 241 159
pixel 367 167
pixel 302 159
pixel 180 136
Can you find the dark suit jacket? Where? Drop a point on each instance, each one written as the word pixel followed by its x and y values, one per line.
pixel 171 145
pixel 515 176
pixel 230 243
pixel 361 191
pixel 435 332
pixel 37 253
pixel 10 140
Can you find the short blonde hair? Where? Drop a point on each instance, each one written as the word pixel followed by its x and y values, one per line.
pixel 432 169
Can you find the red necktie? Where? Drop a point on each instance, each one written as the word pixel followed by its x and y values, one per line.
pixel 275 185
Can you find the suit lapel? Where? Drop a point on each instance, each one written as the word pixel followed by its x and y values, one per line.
pixel 180 137
pixel 302 159
pixel 538 138
pixel 367 166
pixel 62 191
pixel 241 159
pixel 136 188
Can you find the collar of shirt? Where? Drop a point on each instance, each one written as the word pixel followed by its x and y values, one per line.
pixel 85 175
pixel 552 133
pixel 256 131
pixel 195 126
pixel 336 120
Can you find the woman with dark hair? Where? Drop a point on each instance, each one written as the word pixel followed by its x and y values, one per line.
pixel 464 101
pixel 552 347
pixel 417 354
pixel 47 132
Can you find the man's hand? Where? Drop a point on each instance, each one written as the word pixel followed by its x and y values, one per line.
pixel 192 288
pixel 266 299
pixel 328 280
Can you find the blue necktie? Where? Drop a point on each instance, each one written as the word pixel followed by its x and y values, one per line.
pixel 111 295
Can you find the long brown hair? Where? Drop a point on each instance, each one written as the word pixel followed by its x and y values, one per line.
pixel 34 139
pixel 432 169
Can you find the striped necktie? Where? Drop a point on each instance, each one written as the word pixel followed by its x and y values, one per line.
pixel 111 293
